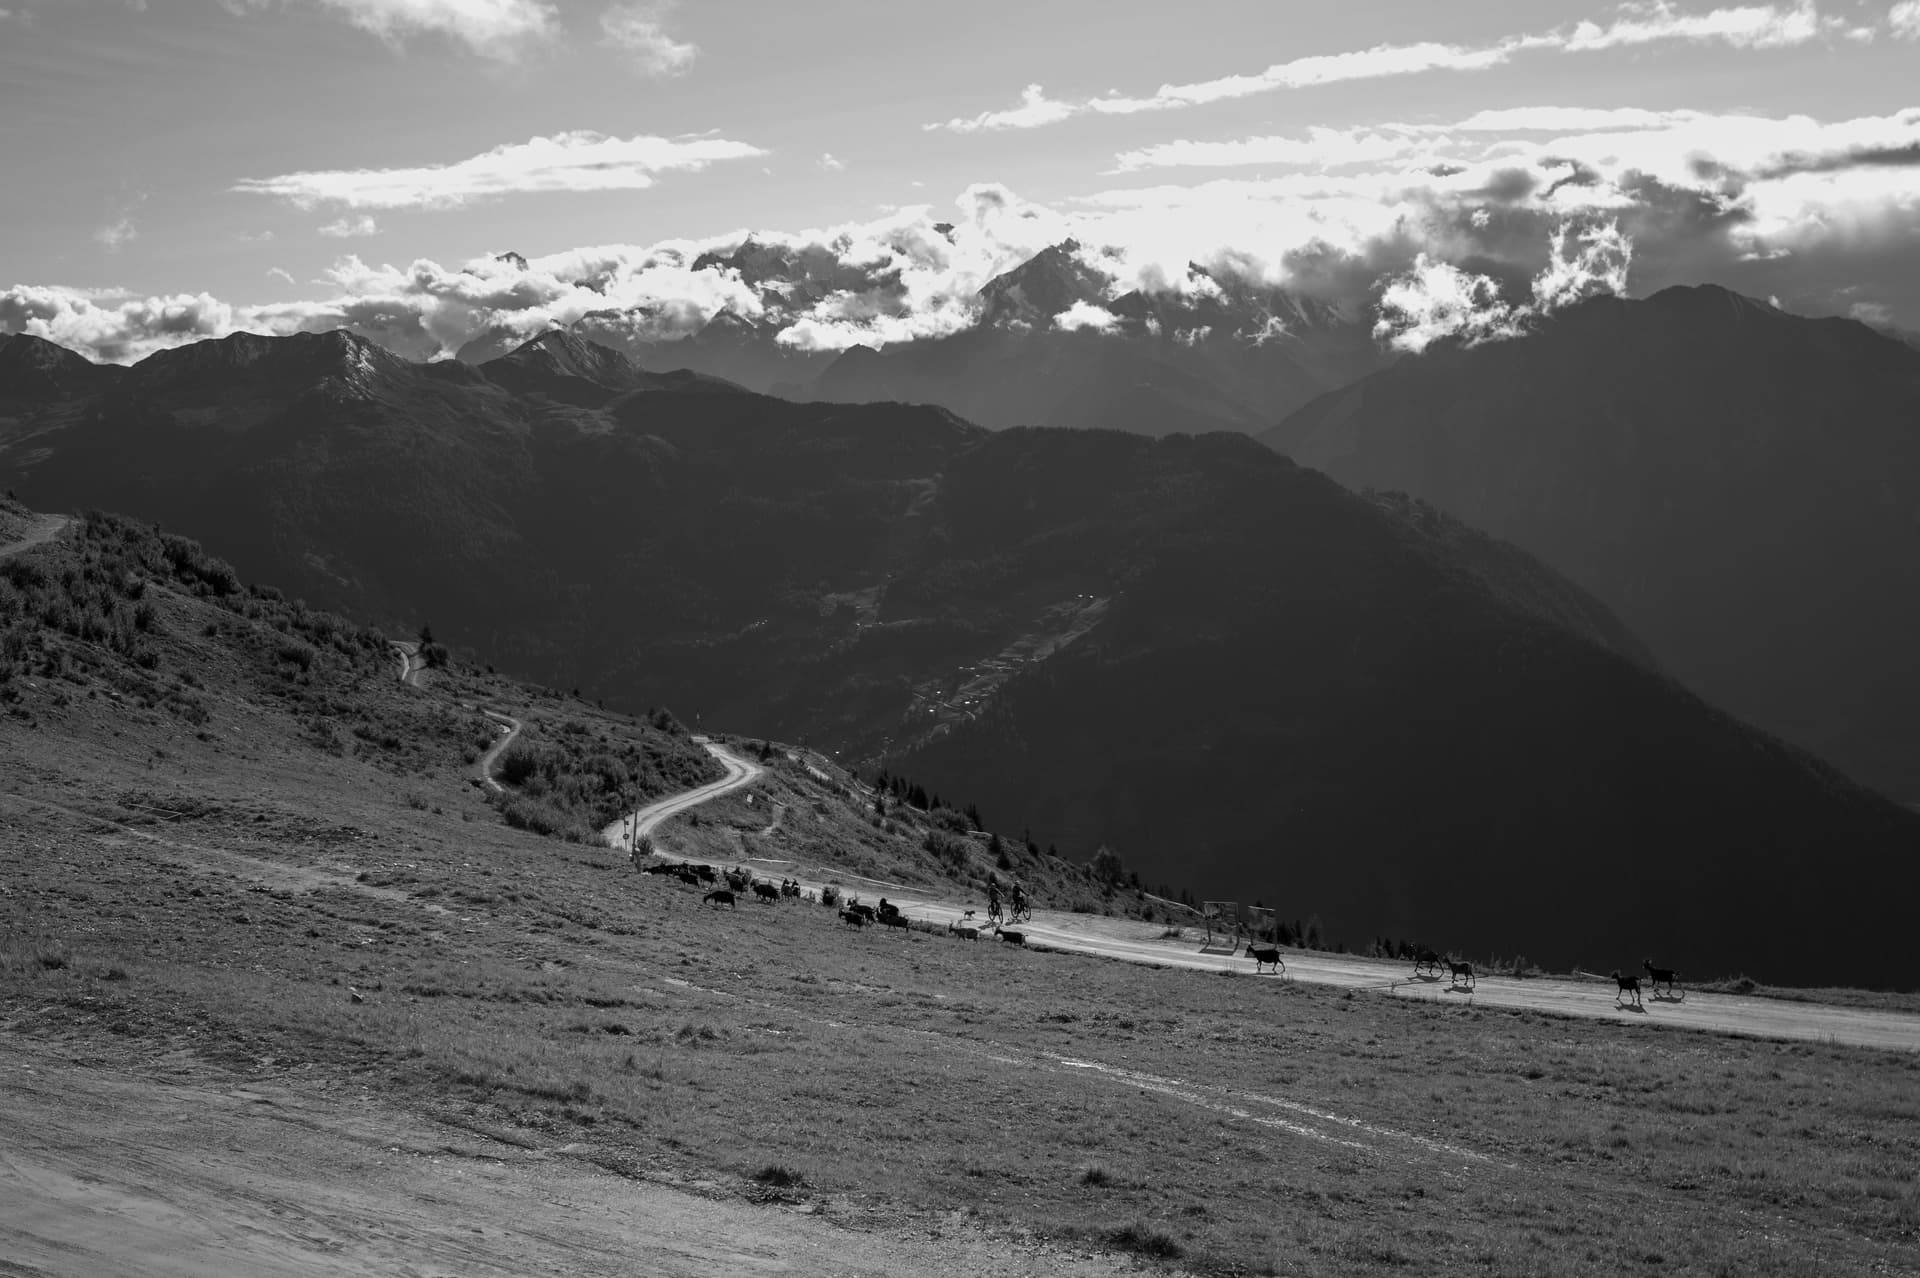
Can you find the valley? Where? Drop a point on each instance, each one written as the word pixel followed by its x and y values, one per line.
pixel 316 984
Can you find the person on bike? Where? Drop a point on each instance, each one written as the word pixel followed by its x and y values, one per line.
pixel 1019 901
pixel 993 900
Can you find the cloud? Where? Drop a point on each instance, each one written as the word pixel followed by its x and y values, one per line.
pixel 831 163
pixel 1553 210
pixel 1433 299
pixel 278 273
pixel 351 227
pixel 1085 315
pixel 579 161
pixel 23 17
pixel 112 327
pixel 1763 26
pixel 497 29
pixel 1758 26
pixel 1903 20
pixel 638 31
pixel 1322 148
pixel 117 234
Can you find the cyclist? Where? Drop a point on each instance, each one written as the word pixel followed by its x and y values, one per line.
pixel 993 902
pixel 1020 910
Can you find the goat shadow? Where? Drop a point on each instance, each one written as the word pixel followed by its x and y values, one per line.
pixel 1629 1007
pixel 1671 996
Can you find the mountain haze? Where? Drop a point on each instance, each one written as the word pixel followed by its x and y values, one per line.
pixel 1741 485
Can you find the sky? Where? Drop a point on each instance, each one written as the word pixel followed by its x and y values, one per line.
pixel 174 169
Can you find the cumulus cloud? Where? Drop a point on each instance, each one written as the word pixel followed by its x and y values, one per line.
pixel 831 163
pixel 578 161
pixel 1085 315
pixel 1761 26
pixel 497 29
pixel 350 227
pixel 639 32
pixel 1435 299
pixel 112 327
pixel 1903 20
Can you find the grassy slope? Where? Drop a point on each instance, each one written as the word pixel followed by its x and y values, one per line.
pixel 210 903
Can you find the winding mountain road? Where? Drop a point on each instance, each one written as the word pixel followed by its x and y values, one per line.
pixel 740 773
pixel 413 673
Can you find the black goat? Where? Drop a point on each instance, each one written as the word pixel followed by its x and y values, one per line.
pixel 689 878
pixel 1628 985
pixel 766 892
pixel 1461 972
pixel 1263 955
pixel 1426 963
pixel 1658 976
pixel 853 918
pixel 895 919
pixel 964 933
pixel 719 897
pixel 1011 938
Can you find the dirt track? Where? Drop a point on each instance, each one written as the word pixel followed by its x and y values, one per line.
pixel 111 1172
pixel 44 530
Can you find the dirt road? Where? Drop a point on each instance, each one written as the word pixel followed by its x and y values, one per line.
pixel 1132 941
pixel 43 530
pixel 740 772
pixel 107 1171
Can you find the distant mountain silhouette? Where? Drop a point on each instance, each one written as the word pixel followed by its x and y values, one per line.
pixel 1244 677
pixel 566 367
pixel 34 367
pixel 1741 485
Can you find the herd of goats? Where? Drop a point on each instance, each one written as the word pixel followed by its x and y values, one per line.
pixel 1426 963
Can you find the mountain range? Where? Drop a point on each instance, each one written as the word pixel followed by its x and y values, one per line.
pixel 1057 340
pixel 1242 676
pixel 1740 485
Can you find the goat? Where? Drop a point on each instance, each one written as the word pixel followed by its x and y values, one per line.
pixel 964 933
pixel 866 912
pixel 1658 976
pixel 688 877
pixel 1011 938
pixel 706 872
pixel 1627 984
pixel 719 897
pixel 1426 963
pixel 738 880
pixel 1263 955
pixel 766 891
pixel 895 919
pixel 1461 971
pixel 853 918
